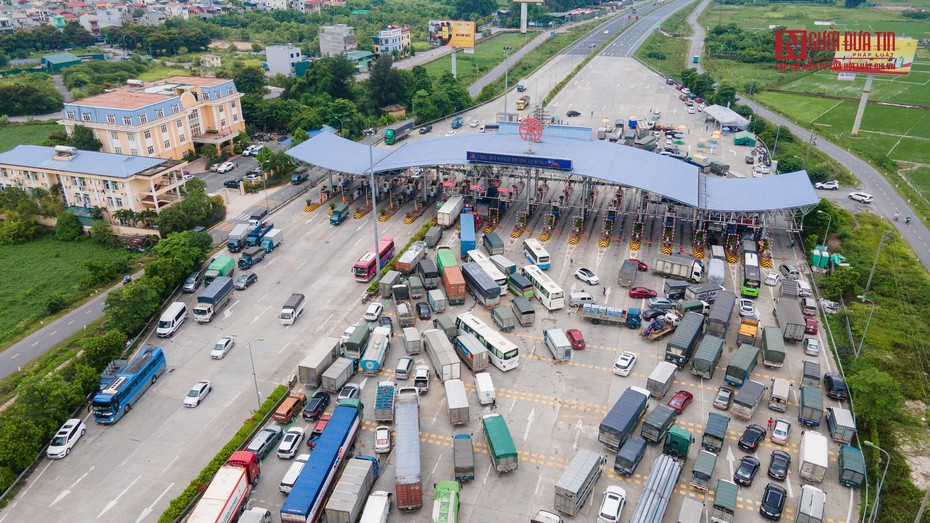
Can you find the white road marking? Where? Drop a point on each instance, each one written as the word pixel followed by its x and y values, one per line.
pixel 284 347
pixel 322 323
pixel 578 427
pixel 260 314
pixel 168 466
pixel 115 501
pixel 788 484
pixel 71 486
pixel 529 424
pixel 730 459
pixel 228 310
pixel 148 510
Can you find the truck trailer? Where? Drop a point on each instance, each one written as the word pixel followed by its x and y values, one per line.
pixel 408 485
pixel 577 481
pixel 228 491
pixel 449 212
pixel 679 267
pixel 348 498
pixel 310 371
pixel 680 346
pixel 790 319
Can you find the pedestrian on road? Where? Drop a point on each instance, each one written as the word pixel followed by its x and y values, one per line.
pixel 771 422
pixel 494 403
pixel 605 291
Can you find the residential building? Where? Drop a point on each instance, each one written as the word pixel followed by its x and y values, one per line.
pixel 152 18
pixel 268 5
pixel 91 179
pixel 282 58
pixel 99 20
pixel 6 25
pixel 163 119
pixel 392 38
pixel 361 60
pixel 210 60
pixel 337 39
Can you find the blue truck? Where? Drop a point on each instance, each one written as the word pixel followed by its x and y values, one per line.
pixel 254 239
pixel 467 223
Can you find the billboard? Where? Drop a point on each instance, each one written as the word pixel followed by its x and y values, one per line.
pixel 895 59
pixel 452 33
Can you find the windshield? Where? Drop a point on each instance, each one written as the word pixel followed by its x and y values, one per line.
pixel 193 393
pixel 164 324
pixel 59 441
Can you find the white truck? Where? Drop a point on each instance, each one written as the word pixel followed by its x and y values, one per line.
pixel 449 212
pixel 310 370
pixel 349 495
pixel 290 477
pixel 457 400
pixel 815 456
pixel 293 307
pixel 384 401
pixel 679 267
pixel 716 271
pixel 377 508
pixel 337 375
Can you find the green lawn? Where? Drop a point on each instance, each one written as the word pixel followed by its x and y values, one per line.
pixel 13 134
pixel 488 54
pixel 157 73
pixel 38 270
pixel 669 41
pixel 920 178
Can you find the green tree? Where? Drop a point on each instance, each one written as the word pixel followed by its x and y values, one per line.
pixel 172 220
pixel 100 350
pixel 102 233
pixel 424 107
pixel 130 307
pixel 83 138
pixel 20 441
pixel 250 79
pixel 725 96
pixel 878 395
pixel 843 281
pixel 68 228
pixel 789 164
pixel 300 136
pixel 46 401
pixel 385 83
pixel 16 229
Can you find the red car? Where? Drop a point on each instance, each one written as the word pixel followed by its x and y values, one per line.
pixel 642 292
pixel 575 337
pixel 681 400
pixel 810 326
pixel 699 100
pixel 318 430
pixel 640 266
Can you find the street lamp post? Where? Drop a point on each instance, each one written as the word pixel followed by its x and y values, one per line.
pixel 874 513
pixel 342 126
pixel 826 234
pixel 258 395
pixel 507 49
pixel 867 323
pixel 374 203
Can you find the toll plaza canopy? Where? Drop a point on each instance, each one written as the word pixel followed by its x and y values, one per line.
pixel 619 164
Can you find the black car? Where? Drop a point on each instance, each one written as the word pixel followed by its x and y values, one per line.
pixel 752 436
pixel 573 113
pixel 652 314
pixel 232 184
pixel 425 129
pixel 423 310
pixel 386 321
pixel 835 386
pixel 746 472
pixel 773 502
pixel 778 467
pixel 315 406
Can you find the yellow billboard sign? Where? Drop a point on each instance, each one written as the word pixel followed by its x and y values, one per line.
pixel 895 59
pixel 452 33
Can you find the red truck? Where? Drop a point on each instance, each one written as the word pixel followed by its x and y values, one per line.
pixel 226 495
pixel 454 283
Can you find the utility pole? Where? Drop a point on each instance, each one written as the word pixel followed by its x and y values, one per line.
pixel 886 238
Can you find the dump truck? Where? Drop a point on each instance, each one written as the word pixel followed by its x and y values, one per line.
pixel 228 492
pixel 220 266
pixel 661 378
pixel 449 212
pixel 598 314
pixel 657 423
pixel 273 239
pixel 408 485
pixel 748 331
pixel 578 481
pixel 790 319
pixel 411 257
pixel 718 321
pixel 705 359
pixel 349 495
pixel 398 132
pixel 715 432
pixel 660 327
pixel 250 257
pixel 310 371
pixel 384 401
pixel 747 399
pixel 213 298
pixel 254 239
pixel 773 348
pixel 337 375
pixel 815 456
pixel 680 346
pixel 679 267
pixel 622 418
pixel 237 237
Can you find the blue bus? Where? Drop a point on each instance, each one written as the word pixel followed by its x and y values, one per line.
pixel 129 385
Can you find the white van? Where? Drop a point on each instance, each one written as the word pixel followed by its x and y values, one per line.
pixel 781 389
pixel 65 438
pixel 484 386
pixel 377 508
pixel 290 477
pixel 171 319
pixel 256 515
pixel 811 506
pixel 804 288
pixel 577 299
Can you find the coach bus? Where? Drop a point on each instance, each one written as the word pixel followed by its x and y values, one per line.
pixel 129 385
pixel 505 355
pixel 535 253
pixel 366 268
pixel 752 275
pixel 547 292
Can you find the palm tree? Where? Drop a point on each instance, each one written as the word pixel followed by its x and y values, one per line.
pixel 126 217
pixel 96 213
pixel 147 217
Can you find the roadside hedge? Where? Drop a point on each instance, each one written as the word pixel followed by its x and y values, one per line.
pixel 179 505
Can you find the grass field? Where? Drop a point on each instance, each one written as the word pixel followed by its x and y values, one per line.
pixel 38 270
pixel 13 134
pixel 488 54
pixel 920 179
pixel 671 42
pixel 157 73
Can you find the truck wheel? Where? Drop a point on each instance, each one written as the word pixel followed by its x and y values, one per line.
pixel 128 407
pixel 154 379
pixel 255 479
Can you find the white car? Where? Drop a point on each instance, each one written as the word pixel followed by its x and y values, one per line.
pixel 772 279
pixel 861 197
pixel 611 505
pixel 587 276
pixel 831 185
pixel 187 176
pixel 197 393
pixel 474 123
pixel 765 169
pixel 373 312
pixel 349 391
pixel 66 437
pixel 747 309
pixel 811 346
pixel 382 439
pixel 222 347
pixel 780 432
pixel 692 110
pixel 225 167
pixel 291 442
pixel 624 364
pixel 450 133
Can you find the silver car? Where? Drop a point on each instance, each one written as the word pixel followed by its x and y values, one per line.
pixel 661 303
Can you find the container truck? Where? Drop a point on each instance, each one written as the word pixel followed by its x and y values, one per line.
pixel 463 457
pixel 337 375
pixel 254 239
pixel 272 240
pixel 680 346
pixel 339 214
pixel 678 267
pixel 748 331
pixel 466 234
pixel 815 456
pixel 578 481
pixel 310 371
pixel 705 359
pixel 718 321
pixel 428 273
pixel 398 132
pixel 810 408
pixel 790 319
pixel 705 291
pixel 620 421
pixel 411 257
pixel 413 342
pixel 658 490
pixel 716 271
pixel 373 359
pixel 228 492
pixel 250 257
pixel 445 258
pixel 627 274
pixel 237 237
pixel 377 508
pixel 213 298
pixel 741 365
pixel 349 495
pixel 316 480
pixel 493 244
pixel 457 401
pixel 558 344
pixel 598 314
pixel 747 399
pixel 441 355
pixel 715 432
pixel 657 423
pixel 384 401
pixel 293 307
pixel 773 347
pixel 408 486
pixel 501 449
pixel 449 212
pixel 437 300
pixel 661 378
pixel 220 266
pixel 454 283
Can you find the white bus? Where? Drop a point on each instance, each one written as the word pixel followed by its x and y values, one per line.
pixel 505 355
pixel 534 252
pixel 489 267
pixel 546 291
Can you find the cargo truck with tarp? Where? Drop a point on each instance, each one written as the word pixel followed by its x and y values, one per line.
pixel 463 457
pixel 703 470
pixel 501 449
pixel 628 457
pixel 715 432
pixel 790 319
pixel 354 347
pixel 523 310
pixel 747 399
pixel 493 244
pixel 810 374
pixel 810 410
pixel 723 508
pixel 577 481
pixel 627 275
pixel 429 274
pixel 620 421
pixel 773 348
pixel 504 318
pixel 841 424
pixel 658 490
pixel 741 365
pixel 680 346
pixel 705 359
pixel 851 466
pixel 718 321
pixel 657 423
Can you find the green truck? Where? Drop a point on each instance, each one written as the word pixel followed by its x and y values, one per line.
pixel 339 214
pixel 501 449
pixel 220 266
pixel 299 178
